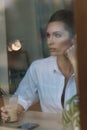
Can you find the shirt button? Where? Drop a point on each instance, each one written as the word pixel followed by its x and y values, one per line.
pixel 54 71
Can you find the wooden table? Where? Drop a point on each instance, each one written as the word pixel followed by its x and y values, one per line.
pixel 46 121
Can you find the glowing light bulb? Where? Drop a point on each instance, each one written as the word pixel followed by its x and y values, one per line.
pixel 16 45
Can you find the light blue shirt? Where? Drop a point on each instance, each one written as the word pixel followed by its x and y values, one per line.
pixel 44 82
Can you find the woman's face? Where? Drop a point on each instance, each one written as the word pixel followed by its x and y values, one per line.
pixel 58 38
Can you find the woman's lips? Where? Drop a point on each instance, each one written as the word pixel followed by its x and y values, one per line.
pixel 52 49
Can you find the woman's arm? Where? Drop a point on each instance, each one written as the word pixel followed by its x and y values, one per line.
pixel 72 56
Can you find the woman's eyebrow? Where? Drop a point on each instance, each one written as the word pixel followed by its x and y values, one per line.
pixel 57 32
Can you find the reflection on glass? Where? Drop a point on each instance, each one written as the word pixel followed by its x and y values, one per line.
pixel 18 62
pixel 71 114
pixel 18 59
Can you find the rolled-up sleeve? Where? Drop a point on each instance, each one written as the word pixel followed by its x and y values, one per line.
pixel 28 88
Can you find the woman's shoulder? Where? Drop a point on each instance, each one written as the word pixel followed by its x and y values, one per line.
pixel 42 65
pixel 44 61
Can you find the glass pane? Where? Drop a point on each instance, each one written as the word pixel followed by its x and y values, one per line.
pixel 25 40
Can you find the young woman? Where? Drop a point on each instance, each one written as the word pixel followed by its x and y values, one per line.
pixel 51 80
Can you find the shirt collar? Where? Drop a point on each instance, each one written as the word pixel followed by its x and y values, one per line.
pixel 55 67
pixel 54 64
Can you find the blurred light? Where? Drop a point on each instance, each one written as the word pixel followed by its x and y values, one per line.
pixel 14 46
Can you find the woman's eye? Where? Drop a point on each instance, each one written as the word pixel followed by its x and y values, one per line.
pixel 58 35
pixel 47 35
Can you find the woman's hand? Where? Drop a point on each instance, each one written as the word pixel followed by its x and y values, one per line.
pixel 71 54
pixel 4 114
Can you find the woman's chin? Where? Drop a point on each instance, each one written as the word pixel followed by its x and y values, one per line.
pixel 53 54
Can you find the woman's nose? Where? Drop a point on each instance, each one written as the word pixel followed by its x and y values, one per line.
pixel 50 40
